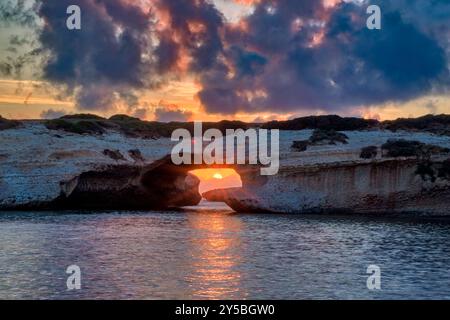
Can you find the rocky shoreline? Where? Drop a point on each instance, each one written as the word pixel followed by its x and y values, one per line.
pixel 44 167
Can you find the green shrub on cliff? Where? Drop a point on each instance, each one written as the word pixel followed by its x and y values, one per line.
pixel 79 127
pixel 369 152
pixel 300 146
pixel 325 122
pixel 444 170
pixel 439 124
pixel 405 148
pixel 8 124
pixel 426 171
pixel 82 116
pixel 321 136
pixel 123 117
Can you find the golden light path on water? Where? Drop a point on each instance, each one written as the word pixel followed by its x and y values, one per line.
pixel 215 251
pixel 216 255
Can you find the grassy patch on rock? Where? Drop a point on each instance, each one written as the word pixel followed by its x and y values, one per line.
pixel 129 126
pixel 330 137
pixel 6 124
pixel 82 116
pixel 325 122
pixel 438 124
pixel 444 170
pixel 78 127
pixel 369 152
pixel 405 148
pixel 300 146
pixel 320 137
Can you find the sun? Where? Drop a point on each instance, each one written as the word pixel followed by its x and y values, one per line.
pixel 217 176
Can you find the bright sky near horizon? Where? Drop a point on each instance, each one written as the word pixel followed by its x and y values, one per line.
pixel 249 58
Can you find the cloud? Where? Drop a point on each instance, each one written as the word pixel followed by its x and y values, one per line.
pixel 103 60
pixel 17 12
pixel 123 46
pixel 140 113
pixel 318 58
pixel 52 114
pixel 168 113
pixel 190 29
pixel 431 106
pixel 282 56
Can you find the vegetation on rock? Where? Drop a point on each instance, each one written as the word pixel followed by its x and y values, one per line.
pixel 405 148
pixel 300 146
pixel 439 124
pixel 320 137
pixel 78 127
pixel 425 168
pixel 82 116
pixel 130 126
pixel 369 152
pixel 326 122
pixel 426 171
pixel 114 154
pixel 329 136
pixel 136 155
pixel 444 170
pixel 8 124
pixel 123 117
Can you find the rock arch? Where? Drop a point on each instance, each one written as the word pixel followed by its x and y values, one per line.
pixel 158 185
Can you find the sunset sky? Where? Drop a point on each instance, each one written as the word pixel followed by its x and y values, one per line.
pixel 252 60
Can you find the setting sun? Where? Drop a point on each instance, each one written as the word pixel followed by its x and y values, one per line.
pixel 211 179
pixel 218 176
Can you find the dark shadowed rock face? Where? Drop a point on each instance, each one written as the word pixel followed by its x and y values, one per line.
pixel 444 171
pixel 233 197
pixel 129 187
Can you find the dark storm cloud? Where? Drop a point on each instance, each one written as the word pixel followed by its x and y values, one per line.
pixel 167 53
pixel 165 115
pixel 119 48
pixel 105 58
pixel 197 24
pixel 287 55
pixel 349 66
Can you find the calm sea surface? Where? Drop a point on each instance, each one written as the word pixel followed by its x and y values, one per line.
pixel 209 252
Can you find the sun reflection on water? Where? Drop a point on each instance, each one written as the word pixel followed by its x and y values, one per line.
pixel 216 256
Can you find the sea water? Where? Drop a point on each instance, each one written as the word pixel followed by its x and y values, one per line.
pixel 209 252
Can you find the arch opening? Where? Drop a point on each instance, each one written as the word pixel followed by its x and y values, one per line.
pixel 217 178
pixel 159 185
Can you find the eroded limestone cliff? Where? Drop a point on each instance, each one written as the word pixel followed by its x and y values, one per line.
pixel 341 178
pixel 42 168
